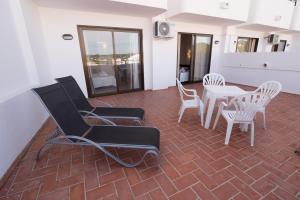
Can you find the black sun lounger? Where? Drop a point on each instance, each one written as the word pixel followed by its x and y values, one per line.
pixel 72 129
pixel 74 91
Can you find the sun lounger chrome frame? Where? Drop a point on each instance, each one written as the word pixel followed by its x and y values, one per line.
pixel 108 104
pixel 59 137
pixel 136 119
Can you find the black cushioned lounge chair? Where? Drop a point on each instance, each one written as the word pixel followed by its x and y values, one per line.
pixel 85 108
pixel 72 129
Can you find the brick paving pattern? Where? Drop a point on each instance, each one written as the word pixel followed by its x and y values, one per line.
pixel 194 162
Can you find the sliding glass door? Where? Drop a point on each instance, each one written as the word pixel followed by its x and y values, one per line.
pixel 202 56
pixel 194 55
pixel 127 54
pixel 99 62
pixel 112 59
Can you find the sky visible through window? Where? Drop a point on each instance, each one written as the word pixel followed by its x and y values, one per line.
pixel 100 42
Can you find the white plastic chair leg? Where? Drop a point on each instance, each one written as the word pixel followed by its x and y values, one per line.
pixel 205 100
pixel 201 115
pixel 210 110
pixel 181 114
pixel 204 94
pixel 227 100
pixel 264 118
pixel 216 120
pixel 228 132
pixel 179 110
pixel 252 134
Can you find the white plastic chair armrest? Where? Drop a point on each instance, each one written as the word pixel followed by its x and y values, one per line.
pixel 247 91
pixel 190 95
pixel 223 105
pixel 221 108
pixel 190 90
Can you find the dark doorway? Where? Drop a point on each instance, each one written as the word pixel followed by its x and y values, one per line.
pixel 194 56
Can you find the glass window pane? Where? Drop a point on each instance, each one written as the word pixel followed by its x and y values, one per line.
pixel 242 45
pixel 127 50
pixel 281 45
pixel 202 57
pixel 253 44
pixel 100 61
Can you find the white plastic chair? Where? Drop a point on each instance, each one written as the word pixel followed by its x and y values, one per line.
pixel 272 89
pixel 245 108
pixel 212 79
pixel 194 101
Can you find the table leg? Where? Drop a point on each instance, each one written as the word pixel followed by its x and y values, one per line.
pixel 210 110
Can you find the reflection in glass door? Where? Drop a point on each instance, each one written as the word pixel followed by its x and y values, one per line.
pixel 112 59
pixel 128 64
pixel 100 61
pixel 202 56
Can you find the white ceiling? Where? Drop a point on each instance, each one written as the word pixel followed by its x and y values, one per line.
pixel 194 18
pixel 259 27
pixel 103 6
pixel 290 32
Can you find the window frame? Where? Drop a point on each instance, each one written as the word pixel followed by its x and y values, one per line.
pixel 276 47
pixel 250 39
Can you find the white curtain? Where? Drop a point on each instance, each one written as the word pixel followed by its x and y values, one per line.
pixel 202 56
pixel 135 56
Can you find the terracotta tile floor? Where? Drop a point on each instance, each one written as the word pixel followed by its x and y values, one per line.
pixel 194 162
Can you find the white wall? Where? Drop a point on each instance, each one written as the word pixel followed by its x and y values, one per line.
pixel 152 3
pixel 37 42
pixel 13 71
pixel 295 46
pixel 17 75
pixel 165 53
pixel 237 9
pixel 20 118
pixel 271 13
pixel 160 56
pixel 164 63
pixel 295 24
pixel 248 69
pixel 65 56
pixel 263 45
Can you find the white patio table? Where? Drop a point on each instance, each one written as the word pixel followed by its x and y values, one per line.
pixel 215 92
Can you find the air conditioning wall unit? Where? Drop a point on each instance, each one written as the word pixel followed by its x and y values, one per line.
pixel 164 29
pixel 273 39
